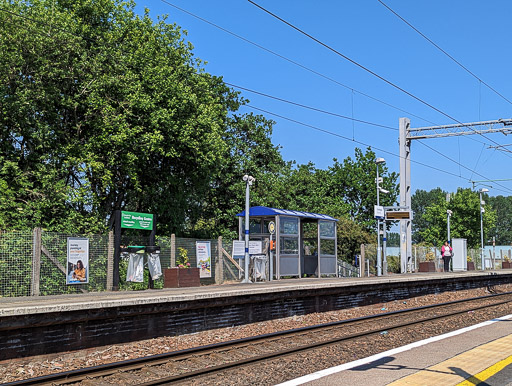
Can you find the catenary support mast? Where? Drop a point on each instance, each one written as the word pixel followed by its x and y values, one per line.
pixel 406 135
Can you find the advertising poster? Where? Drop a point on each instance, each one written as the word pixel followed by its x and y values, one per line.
pixel 204 258
pixel 78 261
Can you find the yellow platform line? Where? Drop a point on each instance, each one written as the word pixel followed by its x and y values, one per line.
pixel 487 373
pixel 468 368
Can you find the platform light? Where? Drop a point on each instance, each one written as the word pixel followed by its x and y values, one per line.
pixel 482 211
pixel 248 182
pixel 378 180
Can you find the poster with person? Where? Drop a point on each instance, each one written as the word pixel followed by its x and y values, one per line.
pixel 204 257
pixel 78 261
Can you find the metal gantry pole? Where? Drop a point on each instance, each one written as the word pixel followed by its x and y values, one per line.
pixel 449 213
pixel 405 193
pixel 379 256
pixel 406 135
pixel 481 232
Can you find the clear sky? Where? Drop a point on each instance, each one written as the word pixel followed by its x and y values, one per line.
pixel 476 33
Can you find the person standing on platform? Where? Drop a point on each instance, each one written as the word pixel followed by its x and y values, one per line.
pixel 447 253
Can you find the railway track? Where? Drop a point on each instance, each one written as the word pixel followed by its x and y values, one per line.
pixel 194 363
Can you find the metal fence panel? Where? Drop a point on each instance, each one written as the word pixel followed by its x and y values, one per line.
pixel 54 254
pixel 15 263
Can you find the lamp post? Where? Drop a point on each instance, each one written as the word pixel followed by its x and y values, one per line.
pixel 248 182
pixel 449 214
pixel 379 161
pixel 482 210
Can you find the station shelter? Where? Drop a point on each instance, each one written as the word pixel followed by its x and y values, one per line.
pixel 305 243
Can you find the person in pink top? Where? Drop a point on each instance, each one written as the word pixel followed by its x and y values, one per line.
pixel 447 253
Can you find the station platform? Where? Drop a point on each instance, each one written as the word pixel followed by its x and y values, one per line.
pixel 40 325
pixel 480 354
pixel 109 299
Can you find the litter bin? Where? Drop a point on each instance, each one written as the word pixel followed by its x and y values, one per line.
pixel 135 256
pixel 260 267
pixel 154 266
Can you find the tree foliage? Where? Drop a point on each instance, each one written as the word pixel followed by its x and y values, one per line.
pixel 103 110
pixel 420 201
pixel 503 231
pixel 464 222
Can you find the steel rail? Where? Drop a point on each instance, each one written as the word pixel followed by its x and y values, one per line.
pixel 73 376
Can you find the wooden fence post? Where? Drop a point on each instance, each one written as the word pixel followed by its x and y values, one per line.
pixel 219 266
pixel 173 250
pixel 36 261
pixel 110 261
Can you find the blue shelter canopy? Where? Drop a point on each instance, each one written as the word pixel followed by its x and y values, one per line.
pixel 265 211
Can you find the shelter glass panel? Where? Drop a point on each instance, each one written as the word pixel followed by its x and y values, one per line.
pixel 327 247
pixel 327 228
pixel 254 226
pixel 289 246
pixel 289 226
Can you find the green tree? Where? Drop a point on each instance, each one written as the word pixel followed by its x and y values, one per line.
pixel 503 207
pixel 393 239
pixel 464 222
pixel 420 201
pixel 353 182
pixel 350 237
pixel 249 150
pixel 104 110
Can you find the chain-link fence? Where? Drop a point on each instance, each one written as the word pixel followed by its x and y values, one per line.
pixel 36 263
pixel 15 263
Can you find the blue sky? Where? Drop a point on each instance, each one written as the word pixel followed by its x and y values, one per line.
pixel 476 33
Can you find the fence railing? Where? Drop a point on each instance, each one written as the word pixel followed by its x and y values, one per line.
pixel 421 254
pixel 36 263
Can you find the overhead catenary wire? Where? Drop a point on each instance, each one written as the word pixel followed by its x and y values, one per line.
pixel 295 62
pixel 366 144
pixel 244 39
pixel 311 108
pixel 369 123
pixel 444 52
pixel 366 69
pixel 300 65
pixel 237 36
pixel 458 163
pixel 351 139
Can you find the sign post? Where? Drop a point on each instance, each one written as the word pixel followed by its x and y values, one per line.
pixel 130 220
pixel 271 230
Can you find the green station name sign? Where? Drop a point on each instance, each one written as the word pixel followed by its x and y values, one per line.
pixel 134 220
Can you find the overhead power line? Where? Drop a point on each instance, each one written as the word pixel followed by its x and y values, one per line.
pixel 369 145
pixel 444 52
pixel 362 67
pixel 312 108
pixel 294 62
pixel 301 65
pixel 255 44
